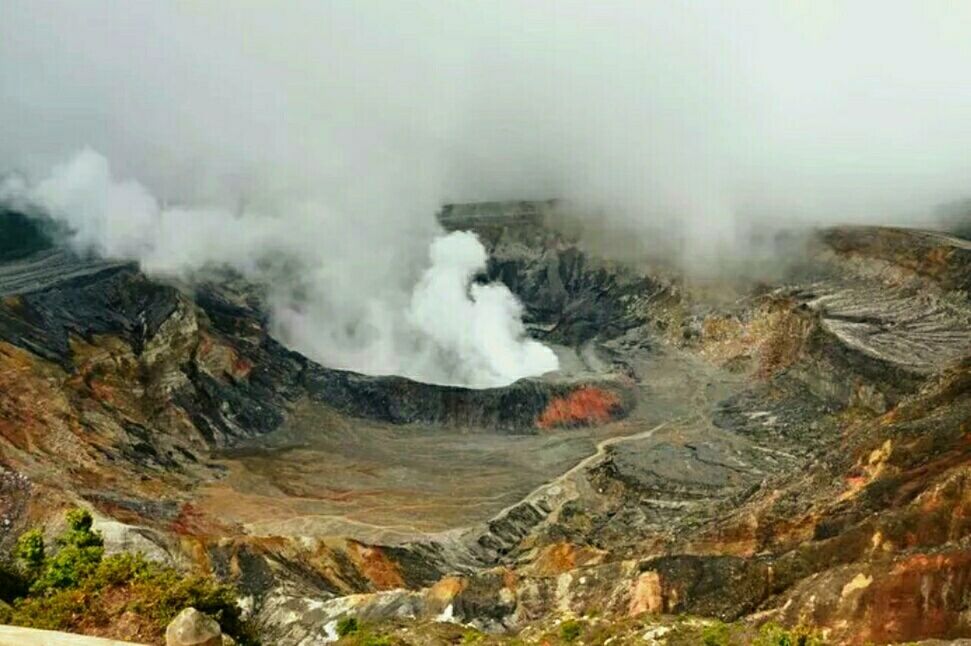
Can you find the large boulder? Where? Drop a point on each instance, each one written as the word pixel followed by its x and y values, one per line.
pixel 193 628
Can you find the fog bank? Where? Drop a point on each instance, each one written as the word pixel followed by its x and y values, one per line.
pixel 448 330
pixel 326 135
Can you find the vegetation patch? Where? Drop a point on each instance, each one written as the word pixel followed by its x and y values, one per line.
pixel 570 630
pixel 76 588
pixel 717 633
pixel 775 635
pixel 589 630
pixel 364 637
pixel 347 626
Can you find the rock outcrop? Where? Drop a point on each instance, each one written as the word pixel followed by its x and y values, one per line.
pixel 192 628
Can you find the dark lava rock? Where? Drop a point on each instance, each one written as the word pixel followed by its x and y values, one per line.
pixel 569 297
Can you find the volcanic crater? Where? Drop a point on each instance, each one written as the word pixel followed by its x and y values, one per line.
pixel 718 456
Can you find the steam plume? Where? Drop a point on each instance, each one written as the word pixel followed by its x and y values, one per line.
pixel 449 331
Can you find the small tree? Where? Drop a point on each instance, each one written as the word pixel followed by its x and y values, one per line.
pixel 30 549
pixel 81 549
pixel 79 533
pixel 346 626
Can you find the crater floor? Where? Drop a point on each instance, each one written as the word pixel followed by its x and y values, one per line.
pixel 324 474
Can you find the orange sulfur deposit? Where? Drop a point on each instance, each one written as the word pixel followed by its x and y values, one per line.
pixel 587 405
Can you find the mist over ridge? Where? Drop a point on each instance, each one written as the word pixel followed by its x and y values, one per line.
pixel 328 134
pixel 442 329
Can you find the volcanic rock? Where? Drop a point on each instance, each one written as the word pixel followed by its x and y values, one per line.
pixel 192 628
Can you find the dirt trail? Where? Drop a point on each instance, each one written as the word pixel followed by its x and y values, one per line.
pixel 553 487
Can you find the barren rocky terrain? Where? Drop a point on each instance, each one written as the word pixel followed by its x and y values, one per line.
pixel 794 451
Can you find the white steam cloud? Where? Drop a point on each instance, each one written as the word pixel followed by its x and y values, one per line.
pixel 450 330
pixel 325 134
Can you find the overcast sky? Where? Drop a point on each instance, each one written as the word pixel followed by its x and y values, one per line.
pixel 308 145
pixel 699 110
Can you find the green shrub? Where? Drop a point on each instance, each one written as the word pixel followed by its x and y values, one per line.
pixel 162 593
pixel 570 630
pixel 81 549
pixel 346 626
pixel 775 635
pixel 79 532
pixel 54 611
pixel 69 585
pixel 79 520
pixel 30 549
pixel 716 634
pixel 122 568
pixel 68 568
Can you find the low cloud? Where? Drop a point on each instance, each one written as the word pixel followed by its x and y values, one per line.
pixel 331 132
pixel 442 328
